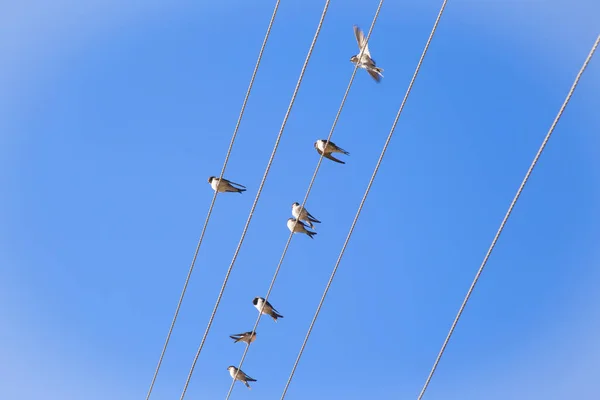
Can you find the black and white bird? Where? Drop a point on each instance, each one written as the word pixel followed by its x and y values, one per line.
pixel 299 228
pixel 365 61
pixel 301 213
pixel 330 148
pixel 241 376
pixel 247 337
pixel 225 185
pixel 264 307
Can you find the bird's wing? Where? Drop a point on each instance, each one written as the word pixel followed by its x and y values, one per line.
pixel 310 216
pixel 273 308
pixel 360 38
pixel 338 148
pixel 233 183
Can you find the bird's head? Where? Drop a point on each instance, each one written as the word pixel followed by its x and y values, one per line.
pixel 354 59
pixel 255 301
pixel 230 368
pixel 210 179
pixel 296 204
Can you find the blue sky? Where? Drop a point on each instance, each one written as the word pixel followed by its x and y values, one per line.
pixel 112 120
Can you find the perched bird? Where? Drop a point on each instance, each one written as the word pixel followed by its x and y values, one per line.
pixel 264 307
pixel 247 337
pixel 365 60
pixel 241 376
pixel 299 228
pixel 330 148
pixel 301 213
pixel 225 186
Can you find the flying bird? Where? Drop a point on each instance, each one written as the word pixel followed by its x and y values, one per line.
pixel 241 376
pixel 301 213
pixel 299 228
pixel 247 337
pixel 365 61
pixel 330 148
pixel 225 185
pixel 264 307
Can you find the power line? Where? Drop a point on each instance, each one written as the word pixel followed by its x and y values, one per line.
pixel 212 203
pixel 262 183
pixel 285 249
pixel 362 202
pixel 510 208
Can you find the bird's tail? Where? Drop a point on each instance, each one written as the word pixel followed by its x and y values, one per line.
pixel 379 71
pixel 311 234
pixel 332 158
pixel 236 339
pixel 251 379
pixel 237 190
pixel 247 385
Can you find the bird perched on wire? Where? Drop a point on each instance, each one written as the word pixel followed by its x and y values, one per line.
pixel 330 148
pixel 264 307
pixel 241 376
pixel 247 337
pixel 224 185
pixel 301 213
pixel 365 61
pixel 299 228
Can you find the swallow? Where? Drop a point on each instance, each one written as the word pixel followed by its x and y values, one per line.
pixel 365 60
pixel 225 186
pixel 299 228
pixel 241 376
pixel 264 307
pixel 330 148
pixel 303 214
pixel 247 337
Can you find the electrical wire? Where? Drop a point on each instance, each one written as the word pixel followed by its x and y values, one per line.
pixel 262 183
pixel 212 203
pixel 510 208
pixel 363 199
pixel 285 249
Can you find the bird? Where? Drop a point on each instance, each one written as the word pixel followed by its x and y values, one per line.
pixel 365 61
pixel 247 337
pixel 299 228
pixel 330 148
pixel 225 186
pixel 241 376
pixel 264 307
pixel 301 213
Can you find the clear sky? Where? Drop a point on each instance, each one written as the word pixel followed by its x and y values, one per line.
pixel 114 114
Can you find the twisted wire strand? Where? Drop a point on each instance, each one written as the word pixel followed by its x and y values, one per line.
pixel 510 208
pixel 262 183
pixel 285 249
pixel 212 203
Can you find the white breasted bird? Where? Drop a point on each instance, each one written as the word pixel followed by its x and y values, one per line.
pixel 330 148
pixel 224 185
pixel 241 376
pixel 301 213
pixel 299 228
pixel 365 60
pixel 264 307
pixel 247 337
